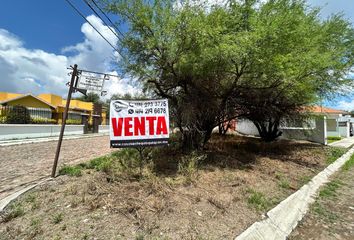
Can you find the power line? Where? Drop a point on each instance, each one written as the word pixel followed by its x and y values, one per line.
pixel 95 12
pixel 78 12
pixel 93 1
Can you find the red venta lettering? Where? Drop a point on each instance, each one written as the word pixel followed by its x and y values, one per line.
pixel 137 126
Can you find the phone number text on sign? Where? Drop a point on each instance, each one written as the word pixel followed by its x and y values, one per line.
pixel 139 123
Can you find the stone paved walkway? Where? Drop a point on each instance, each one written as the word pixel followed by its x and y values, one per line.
pixel 334 215
pixel 21 165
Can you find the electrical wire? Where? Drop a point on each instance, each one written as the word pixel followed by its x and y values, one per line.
pixel 78 12
pixel 95 12
pixel 113 25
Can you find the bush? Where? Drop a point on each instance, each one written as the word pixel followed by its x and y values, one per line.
pixel 40 120
pixel 18 115
pixel 73 121
pixel 333 138
pixel 2 119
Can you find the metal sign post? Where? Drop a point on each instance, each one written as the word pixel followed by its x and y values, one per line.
pixel 81 81
pixel 74 76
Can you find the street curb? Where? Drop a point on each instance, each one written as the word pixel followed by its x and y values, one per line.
pixel 7 200
pixel 283 218
pixel 39 140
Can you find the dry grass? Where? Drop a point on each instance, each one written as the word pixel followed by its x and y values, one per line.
pixel 213 194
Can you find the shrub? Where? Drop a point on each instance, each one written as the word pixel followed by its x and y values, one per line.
pixel 2 119
pixel 18 115
pixel 40 120
pixel 333 138
pixel 73 121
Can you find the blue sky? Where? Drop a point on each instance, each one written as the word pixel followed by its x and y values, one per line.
pixel 49 34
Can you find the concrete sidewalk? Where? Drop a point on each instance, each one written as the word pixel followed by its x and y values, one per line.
pixel 48 139
pixel 345 143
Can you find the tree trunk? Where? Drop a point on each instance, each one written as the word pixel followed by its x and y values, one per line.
pixel 268 130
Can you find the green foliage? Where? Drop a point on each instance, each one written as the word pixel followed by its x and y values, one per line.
pixel 334 138
pixel 40 120
pixel 15 210
pixel 258 201
pixel 2 119
pixel 333 153
pixel 188 165
pixel 322 211
pixel 73 121
pixel 329 190
pixel 284 183
pixel 234 58
pixel 348 164
pixel 74 171
pixel 18 115
pixel 57 218
pixel 304 180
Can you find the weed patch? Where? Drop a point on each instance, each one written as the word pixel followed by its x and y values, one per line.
pixel 304 180
pixel 74 171
pixel 321 211
pixel 330 189
pixel 334 153
pixel 57 218
pixel 15 210
pixel 258 201
pixel 188 166
pixel 348 164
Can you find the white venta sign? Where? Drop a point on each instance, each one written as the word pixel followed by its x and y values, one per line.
pixel 135 123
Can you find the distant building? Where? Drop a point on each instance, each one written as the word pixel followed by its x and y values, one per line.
pixel 51 107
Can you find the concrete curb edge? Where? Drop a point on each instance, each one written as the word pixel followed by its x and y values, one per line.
pixel 7 200
pixel 282 219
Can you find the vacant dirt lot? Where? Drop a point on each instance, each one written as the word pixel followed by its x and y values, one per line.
pixel 236 181
pixel 26 163
pixel 332 216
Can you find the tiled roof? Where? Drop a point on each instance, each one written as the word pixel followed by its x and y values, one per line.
pixel 320 109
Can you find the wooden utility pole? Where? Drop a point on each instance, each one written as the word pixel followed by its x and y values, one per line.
pixel 74 76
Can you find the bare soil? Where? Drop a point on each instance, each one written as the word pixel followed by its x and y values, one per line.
pixel 240 180
pixel 331 217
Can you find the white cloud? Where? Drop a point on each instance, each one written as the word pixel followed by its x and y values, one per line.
pixel 35 71
pixel 346 105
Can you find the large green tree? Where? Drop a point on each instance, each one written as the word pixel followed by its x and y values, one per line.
pixel 179 53
pixel 263 61
pixel 294 60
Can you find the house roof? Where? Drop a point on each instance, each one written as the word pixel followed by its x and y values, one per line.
pixel 326 110
pixel 27 95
